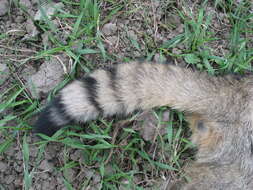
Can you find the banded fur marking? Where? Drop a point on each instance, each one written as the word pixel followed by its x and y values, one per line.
pixel 112 73
pixel 91 85
pixel 60 109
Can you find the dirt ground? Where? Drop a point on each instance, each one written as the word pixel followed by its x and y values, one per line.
pixel 139 33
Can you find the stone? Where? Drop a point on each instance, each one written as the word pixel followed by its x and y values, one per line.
pixel 45 166
pixel 109 29
pixel 3 166
pixel 31 28
pixel 25 3
pixel 159 58
pixel 149 126
pixel 49 8
pixel 4 7
pixel 132 35
pixel 49 75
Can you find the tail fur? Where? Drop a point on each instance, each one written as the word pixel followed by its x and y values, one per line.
pixel 131 86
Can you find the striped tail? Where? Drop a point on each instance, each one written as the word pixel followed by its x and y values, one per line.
pixel 130 86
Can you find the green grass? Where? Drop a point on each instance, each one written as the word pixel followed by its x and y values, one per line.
pixel 111 149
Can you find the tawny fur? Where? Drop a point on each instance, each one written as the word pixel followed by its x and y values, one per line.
pixel 219 111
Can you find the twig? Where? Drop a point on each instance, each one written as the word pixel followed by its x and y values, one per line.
pixel 22 50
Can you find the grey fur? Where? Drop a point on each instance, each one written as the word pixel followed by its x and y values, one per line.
pixel 223 105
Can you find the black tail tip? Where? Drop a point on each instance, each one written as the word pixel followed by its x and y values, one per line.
pixel 45 125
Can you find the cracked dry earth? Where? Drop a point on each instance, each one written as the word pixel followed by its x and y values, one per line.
pixel 40 76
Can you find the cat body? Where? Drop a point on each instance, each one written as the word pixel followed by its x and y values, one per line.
pixel 219 112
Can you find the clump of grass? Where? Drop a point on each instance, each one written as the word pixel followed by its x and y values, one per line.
pixel 240 54
pixel 105 145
